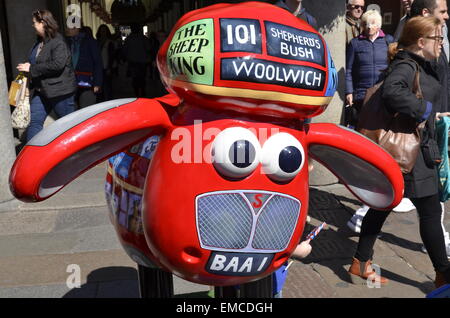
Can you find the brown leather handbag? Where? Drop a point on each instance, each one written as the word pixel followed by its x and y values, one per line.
pixel 398 134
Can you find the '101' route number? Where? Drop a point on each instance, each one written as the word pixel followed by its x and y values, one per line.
pixel 242 33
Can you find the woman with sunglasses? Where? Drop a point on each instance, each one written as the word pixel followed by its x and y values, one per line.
pixel 52 78
pixel 419 45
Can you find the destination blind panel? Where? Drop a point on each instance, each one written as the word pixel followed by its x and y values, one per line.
pixel 267 72
pixel 294 44
pixel 240 35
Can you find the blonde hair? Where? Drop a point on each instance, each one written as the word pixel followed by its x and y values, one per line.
pixel 416 28
pixel 371 14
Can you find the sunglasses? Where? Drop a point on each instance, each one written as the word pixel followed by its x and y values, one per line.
pixel 353 7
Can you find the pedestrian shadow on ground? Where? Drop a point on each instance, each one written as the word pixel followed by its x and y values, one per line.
pixel 384 236
pixel 335 248
pixel 399 241
pixel 339 268
pixel 338 218
pixel 108 282
pixel 425 287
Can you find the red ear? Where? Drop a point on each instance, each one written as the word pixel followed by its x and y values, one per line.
pixel 368 171
pixel 81 140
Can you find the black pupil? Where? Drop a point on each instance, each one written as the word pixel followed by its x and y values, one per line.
pixel 290 159
pixel 242 154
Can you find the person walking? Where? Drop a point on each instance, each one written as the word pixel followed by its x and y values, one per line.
pixel 419 44
pixel 88 65
pixel 137 52
pixel 424 8
pixel 52 78
pixel 438 9
pixel 107 50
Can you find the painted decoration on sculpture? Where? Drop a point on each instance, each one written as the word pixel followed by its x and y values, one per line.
pixel 249 57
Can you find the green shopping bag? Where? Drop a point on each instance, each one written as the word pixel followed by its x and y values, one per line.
pixel 442 129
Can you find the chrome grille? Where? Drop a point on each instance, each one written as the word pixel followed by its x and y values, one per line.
pixel 227 221
pixel 224 221
pixel 276 224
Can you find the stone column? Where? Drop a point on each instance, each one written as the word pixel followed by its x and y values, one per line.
pixel 330 15
pixel 21 33
pixel 7 201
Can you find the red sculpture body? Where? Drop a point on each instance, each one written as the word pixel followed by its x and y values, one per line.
pixel 214 184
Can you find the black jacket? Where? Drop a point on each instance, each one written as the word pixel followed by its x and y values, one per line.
pixel 397 92
pixel 53 74
pixel 89 60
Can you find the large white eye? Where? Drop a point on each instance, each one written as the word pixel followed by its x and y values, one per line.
pixel 282 157
pixel 235 152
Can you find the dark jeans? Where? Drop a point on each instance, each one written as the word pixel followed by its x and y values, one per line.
pixel 41 107
pixel 429 210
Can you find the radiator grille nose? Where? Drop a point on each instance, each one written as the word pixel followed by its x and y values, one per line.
pixel 237 221
pixel 276 224
pixel 224 221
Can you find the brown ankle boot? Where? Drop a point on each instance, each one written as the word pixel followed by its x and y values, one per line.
pixel 440 280
pixel 360 272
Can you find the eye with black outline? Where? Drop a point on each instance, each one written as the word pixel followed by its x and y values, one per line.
pixel 235 152
pixel 283 157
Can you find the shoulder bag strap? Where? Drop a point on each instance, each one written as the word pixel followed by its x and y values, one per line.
pixel 416 86
pixel 418 91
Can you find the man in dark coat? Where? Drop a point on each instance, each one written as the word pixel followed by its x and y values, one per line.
pixel 88 65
